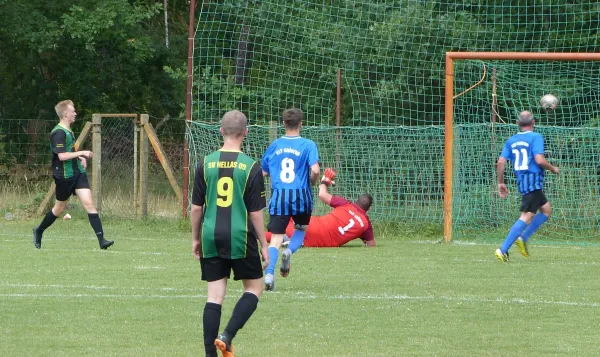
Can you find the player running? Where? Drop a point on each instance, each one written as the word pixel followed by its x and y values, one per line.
pixel 347 221
pixel 68 171
pixel 292 162
pixel 526 151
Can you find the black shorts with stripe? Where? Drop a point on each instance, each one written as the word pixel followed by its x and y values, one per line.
pixel 278 224
pixel 532 201
pixel 217 268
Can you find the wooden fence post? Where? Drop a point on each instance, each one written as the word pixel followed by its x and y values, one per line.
pixel 136 183
pixel 97 161
pixel 272 131
pixel 162 157
pixel 143 188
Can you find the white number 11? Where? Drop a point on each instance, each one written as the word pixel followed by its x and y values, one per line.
pixel 524 165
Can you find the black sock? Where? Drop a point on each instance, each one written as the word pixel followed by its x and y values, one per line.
pixel 241 313
pixel 49 218
pixel 96 225
pixel 211 319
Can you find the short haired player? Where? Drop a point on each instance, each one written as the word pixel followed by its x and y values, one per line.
pixel 292 162
pixel 227 222
pixel 525 150
pixel 68 171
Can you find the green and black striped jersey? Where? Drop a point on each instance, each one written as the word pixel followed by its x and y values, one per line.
pixel 63 140
pixel 229 185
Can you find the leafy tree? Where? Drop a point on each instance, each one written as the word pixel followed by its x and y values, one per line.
pixel 106 55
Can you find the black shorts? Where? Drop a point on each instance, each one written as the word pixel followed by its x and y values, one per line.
pixel 217 268
pixel 278 224
pixel 66 187
pixel 532 201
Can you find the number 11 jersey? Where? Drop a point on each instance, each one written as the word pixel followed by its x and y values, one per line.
pixel 520 149
pixel 288 161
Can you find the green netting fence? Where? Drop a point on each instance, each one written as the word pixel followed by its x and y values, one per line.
pixel 387 162
pixel 571 136
pixel 262 57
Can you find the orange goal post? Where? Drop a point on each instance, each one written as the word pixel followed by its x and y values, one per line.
pixel 450 122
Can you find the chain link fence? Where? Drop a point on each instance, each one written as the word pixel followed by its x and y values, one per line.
pixel 26 177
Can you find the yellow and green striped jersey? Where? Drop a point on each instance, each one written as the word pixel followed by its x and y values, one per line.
pixel 229 185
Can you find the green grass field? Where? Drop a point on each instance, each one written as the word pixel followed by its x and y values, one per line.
pixel 407 297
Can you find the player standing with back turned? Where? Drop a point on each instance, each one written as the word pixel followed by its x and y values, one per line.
pixel 526 151
pixel 292 163
pixel 227 221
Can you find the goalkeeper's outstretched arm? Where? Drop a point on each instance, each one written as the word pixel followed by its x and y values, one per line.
pixel 326 181
pixel 324 195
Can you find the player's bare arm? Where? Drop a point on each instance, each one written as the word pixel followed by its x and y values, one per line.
pixel 370 243
pixel 326 181
pixel 502 189
pixel 315 171
pixel 258 222
pixel 540 159
pixel 324 195
pixel 64 156
pixel 196 219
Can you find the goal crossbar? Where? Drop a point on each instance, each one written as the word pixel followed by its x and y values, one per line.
pixel 449 108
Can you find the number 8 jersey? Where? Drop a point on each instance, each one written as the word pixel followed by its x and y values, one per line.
pixel 520 149
pixel 288 161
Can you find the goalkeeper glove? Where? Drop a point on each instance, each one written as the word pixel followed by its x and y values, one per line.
pixel 328 177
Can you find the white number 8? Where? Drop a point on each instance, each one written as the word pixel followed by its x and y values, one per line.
pixel 287 174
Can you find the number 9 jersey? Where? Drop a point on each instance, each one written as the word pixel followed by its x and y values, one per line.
pixel 520 149
pixel 229 185
pixel 288 161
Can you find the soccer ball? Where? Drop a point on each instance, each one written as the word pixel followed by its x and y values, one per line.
pixel 549 102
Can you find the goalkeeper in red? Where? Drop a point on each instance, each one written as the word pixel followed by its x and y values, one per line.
pixel 346 222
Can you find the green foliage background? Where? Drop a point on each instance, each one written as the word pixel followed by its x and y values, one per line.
pixel 391 53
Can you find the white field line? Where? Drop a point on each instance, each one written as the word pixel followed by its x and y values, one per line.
pixel 21 238
pixel 284 295
pixel 495 244
pixel 94 249
pixel 129 239
pixel 92 287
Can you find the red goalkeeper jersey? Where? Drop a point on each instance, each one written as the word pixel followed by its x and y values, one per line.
pixel 346 222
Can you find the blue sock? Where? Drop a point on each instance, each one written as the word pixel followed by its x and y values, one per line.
pixel 273 256
pixel 513 234
pixel 535 224
pixel 296 240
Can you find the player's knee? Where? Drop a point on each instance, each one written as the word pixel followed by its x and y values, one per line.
pixel 300 227
pixel 546 209
pixel 59 208
pixel 276 240
pixel 526 217
pixel 89 207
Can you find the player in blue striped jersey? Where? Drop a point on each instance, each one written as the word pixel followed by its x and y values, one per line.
pixel 292 163
pixel 525 150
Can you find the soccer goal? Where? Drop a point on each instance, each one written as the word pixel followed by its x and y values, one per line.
pixel 484 93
